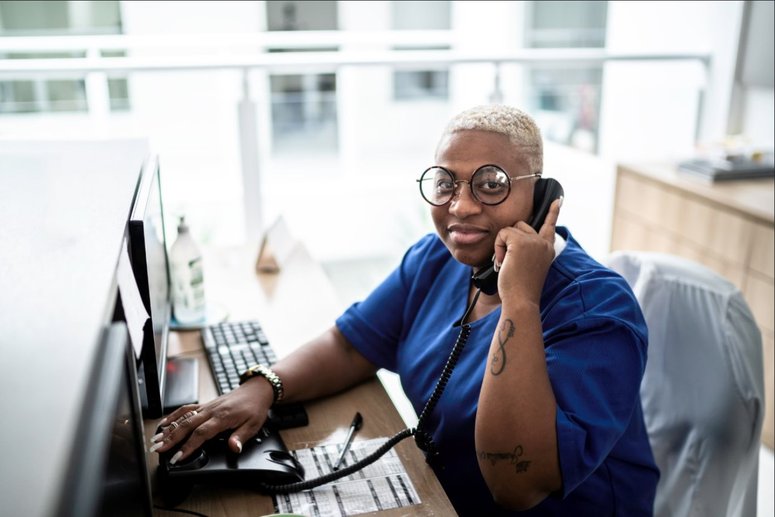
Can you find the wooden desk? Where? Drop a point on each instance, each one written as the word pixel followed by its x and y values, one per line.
pixel 293 307
pixel 727 226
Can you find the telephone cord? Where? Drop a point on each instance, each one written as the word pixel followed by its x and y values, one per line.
pixel 423 438
pixel 337 474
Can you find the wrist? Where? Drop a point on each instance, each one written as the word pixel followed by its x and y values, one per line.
pixel 519 308
pixel 269 376
pixel 519 304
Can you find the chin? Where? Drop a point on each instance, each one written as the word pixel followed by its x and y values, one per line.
pixel 471 258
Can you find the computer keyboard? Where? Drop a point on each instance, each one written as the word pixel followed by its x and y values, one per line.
pixel 234 346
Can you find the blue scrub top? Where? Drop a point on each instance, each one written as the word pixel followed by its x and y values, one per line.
pixel 595 340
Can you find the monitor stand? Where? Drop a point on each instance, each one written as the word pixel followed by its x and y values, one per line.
pixel 182 384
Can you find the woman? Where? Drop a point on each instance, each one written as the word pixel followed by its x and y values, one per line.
pixel 542 409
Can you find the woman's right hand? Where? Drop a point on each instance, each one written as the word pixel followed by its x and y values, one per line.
pixel 523 257
pixel 244 410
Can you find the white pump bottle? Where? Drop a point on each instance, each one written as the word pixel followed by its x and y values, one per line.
pixel 188 294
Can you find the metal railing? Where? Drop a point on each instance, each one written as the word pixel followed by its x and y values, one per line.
pixel 245 53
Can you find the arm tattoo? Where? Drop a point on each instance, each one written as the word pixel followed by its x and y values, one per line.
pixel 499 357
pixel 512 457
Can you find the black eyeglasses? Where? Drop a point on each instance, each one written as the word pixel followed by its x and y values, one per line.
pixel 490 185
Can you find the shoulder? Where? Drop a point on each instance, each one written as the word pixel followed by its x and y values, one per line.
pixel 427 254
pixel 428 246
pixel 578 286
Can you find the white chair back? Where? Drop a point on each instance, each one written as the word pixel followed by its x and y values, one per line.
pixel 703 388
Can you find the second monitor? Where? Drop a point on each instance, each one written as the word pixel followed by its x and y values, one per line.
pixel 165 384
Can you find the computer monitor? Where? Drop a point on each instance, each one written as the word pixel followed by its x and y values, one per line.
pixel 164 384
pixel 107 472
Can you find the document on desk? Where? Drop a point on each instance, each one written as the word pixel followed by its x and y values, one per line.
pixel 382 485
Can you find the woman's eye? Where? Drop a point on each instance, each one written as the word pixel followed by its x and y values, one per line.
pixel 490 186
pixel 444 186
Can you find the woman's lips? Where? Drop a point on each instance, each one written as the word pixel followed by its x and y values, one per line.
pixel 464 235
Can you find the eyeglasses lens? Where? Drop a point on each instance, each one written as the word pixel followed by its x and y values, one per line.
pixel 489 184
pixel 437 186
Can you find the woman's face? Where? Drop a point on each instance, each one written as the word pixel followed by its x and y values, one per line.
pixel 467 227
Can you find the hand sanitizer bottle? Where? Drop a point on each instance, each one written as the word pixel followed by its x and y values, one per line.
pixel 188 294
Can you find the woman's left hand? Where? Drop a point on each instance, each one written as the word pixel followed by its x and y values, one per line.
pixel 523 257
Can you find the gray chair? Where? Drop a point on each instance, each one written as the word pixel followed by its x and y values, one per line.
pixel 703 388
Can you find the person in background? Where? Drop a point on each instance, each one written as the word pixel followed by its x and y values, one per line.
pixel 541 411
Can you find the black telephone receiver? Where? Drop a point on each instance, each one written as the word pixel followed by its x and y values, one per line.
pixel 545 192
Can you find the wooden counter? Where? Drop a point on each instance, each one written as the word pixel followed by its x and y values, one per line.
pixel 727 226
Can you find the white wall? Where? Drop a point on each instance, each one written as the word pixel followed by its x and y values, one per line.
pixel 649 110
pixel 754 116
pixel 759 117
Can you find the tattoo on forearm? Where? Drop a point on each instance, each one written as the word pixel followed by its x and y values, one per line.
pixel 514 457
pixel 498 362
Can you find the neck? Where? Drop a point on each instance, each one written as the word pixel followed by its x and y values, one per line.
pixel 484 305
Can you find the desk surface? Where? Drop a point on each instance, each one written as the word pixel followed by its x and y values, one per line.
pixel 293 307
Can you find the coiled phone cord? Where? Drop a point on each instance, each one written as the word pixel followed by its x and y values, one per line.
pixel 422 438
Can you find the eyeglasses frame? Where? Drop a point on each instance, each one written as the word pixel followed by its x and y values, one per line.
pixel 473 193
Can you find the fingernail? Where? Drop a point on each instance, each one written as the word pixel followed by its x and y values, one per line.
pixel 163 421
pixel 239 444
pixel 156 437
pixel 156 446
pixel 496 266
pixel 176 457
pixel 562 198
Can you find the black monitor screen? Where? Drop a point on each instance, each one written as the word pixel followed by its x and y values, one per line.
pixel 148 253
pixel 125 482
pixel 108 474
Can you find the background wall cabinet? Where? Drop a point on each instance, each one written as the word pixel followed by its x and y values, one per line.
pixel 726 226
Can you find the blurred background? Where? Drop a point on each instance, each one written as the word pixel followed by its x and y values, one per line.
pixel 324 113
pixel 339 104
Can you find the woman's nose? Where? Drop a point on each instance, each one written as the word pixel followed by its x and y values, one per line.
pixel 463 202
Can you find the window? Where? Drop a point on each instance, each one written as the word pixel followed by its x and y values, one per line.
pixel 566 102
pixel 423 84
pixel 56 18
pixel 304 112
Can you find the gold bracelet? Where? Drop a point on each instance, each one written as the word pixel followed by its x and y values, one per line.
pixel 260 370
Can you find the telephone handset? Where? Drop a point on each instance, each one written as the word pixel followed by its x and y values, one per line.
pixel 545 192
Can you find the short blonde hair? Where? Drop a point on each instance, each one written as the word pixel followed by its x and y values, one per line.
pixel 517 125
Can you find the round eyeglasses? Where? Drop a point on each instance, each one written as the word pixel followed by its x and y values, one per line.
pixel 490 185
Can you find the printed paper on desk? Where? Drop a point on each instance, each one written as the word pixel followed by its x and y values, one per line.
pixel 276 245
pixel 381 486
pixel 134 310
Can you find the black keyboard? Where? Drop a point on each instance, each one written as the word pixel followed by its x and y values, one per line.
pixel 234 346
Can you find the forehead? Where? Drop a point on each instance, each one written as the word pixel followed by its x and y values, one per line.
pixel 464 151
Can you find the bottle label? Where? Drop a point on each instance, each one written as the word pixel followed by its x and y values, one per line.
pixel 188 291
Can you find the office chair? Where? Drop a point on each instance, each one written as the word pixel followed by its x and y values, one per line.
pixel 703 388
